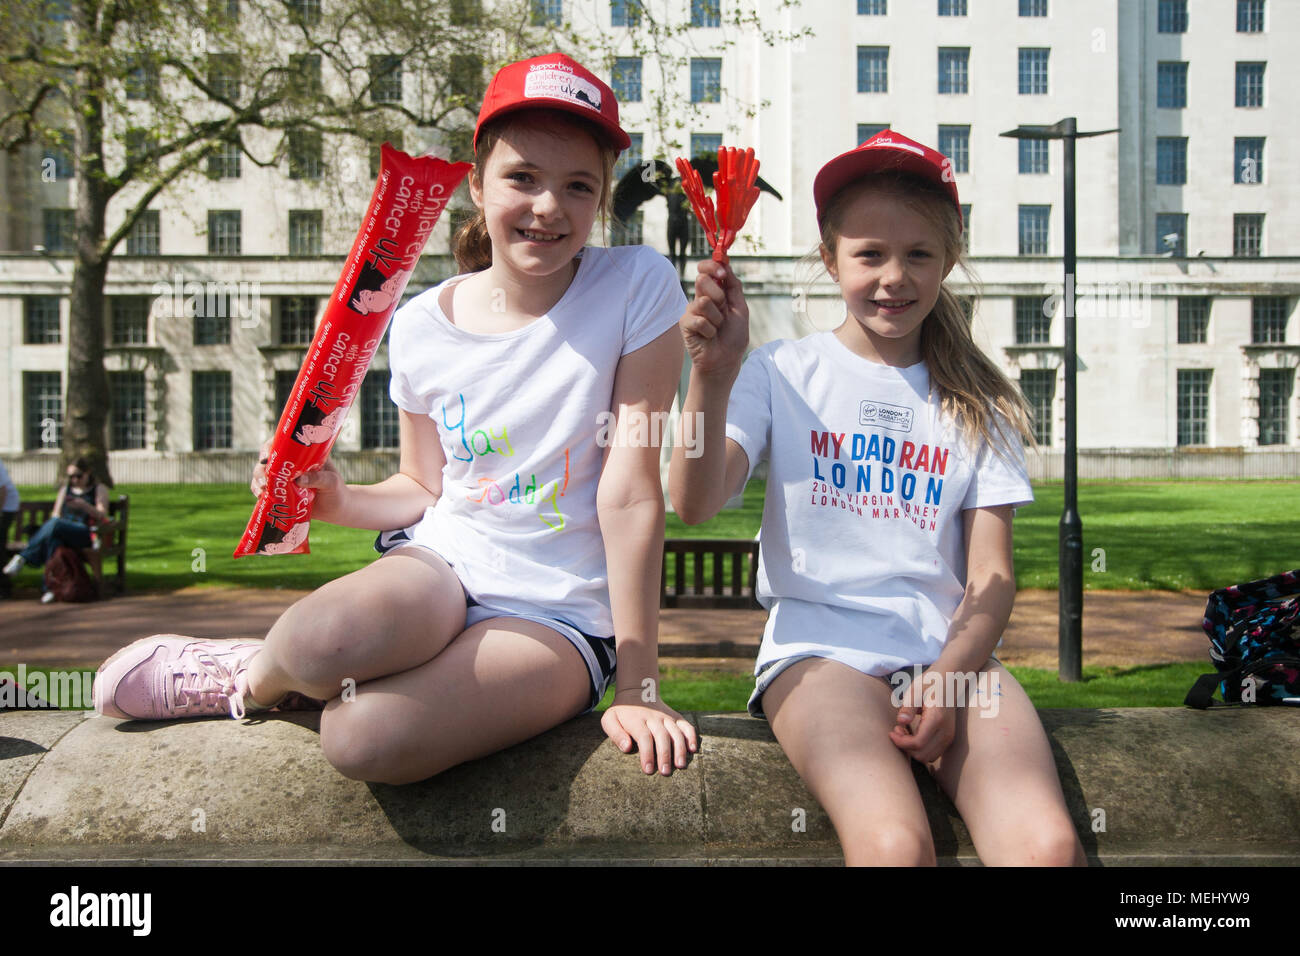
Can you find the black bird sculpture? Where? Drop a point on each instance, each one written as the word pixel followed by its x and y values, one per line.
pixel 653 177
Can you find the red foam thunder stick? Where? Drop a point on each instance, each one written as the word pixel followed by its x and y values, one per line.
pixel 734 185
pixel 408 199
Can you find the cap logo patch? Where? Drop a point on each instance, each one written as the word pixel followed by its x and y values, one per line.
pixel 896 145
pixel 556 84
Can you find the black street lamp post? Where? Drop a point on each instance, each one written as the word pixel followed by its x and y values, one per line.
pixel 1070 636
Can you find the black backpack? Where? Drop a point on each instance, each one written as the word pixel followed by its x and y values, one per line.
pixel 66 577
pixel 1254 632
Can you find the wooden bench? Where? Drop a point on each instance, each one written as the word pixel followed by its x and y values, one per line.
pixel 709 573
pixel 111 536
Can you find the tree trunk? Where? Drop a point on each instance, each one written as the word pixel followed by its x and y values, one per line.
pixel 85 416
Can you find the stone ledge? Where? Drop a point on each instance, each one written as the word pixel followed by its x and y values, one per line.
pixel 1177 786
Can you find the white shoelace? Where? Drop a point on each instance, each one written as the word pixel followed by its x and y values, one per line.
pixel 201 682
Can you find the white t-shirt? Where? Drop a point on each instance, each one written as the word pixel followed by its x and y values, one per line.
pixel 521 416
pixel 862 546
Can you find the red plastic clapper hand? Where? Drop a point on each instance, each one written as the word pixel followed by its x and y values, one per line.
pixel 736 192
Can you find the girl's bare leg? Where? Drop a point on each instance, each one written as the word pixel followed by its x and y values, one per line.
pixel 1000 773
pixel 392 615
pixel 833 723
pixel 499 683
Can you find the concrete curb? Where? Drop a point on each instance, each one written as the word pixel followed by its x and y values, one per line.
pixel 1176 786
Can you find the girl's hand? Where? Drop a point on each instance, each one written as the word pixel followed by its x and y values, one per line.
pixel 716 323
pixel 324 479
pixel 663 737
pixel 923 732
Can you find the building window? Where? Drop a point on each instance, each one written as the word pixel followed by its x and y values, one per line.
pixel 1033 8
pixel 873 69
pixel 466 12
pixel 126 410
pixel 392 137
pixel 305 151
pixel 1193 319
pixel 1248 159
pixel 141 80
pixel 41 320
pixel 965 224
pixel 212 320
pixel 1171 160
pixel 1274 404
pixel 223 75
pixel 706 13
pixel 1250 84
pixel 706 79
pixel 1172 16
pixel 224 10
pixel 954 142
pixel 873 8
pixel 223 162
pixel 1033 70
pixel 547 13
pixel 705 144
pixel 1250 16
pixel 953 73
pixel 212 419
pixel 1033 230
pixel 297 319
pixel 1247 234
pixel 143 239
pixel 1033 327
pixel 630 158
pixel 284 382
pixel 128 320
pixel 60 230
pixel 385 78
pixel 1038 385
pixel 868 130
pixel 629 233
pixel 625 13
pixel 952 8
pixel 465 76
pixel 304 232
pixel 308 11
pixel 1171 85
pixel 59 155
pixel 223 232
pixel 1033 156
pixel 626 79
pixel 1171 233
pixel 304 73
pixel 1193 405
pixel 380 424
pixel 1268 318
pixel 42 410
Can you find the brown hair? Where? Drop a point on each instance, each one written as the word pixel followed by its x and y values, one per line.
pixel 472 246
pixel 972 389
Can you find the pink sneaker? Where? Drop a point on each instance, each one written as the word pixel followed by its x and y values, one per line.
pixel 168 676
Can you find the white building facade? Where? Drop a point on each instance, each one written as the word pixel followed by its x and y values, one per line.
pixel 1189 253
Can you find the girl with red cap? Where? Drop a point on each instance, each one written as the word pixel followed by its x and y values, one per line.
pixel 895 466
pixel 525 541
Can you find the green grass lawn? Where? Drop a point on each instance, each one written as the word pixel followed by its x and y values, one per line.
pixel 1136 535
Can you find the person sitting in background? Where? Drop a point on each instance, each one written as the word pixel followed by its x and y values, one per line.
pixel 8 514
pixel 80 504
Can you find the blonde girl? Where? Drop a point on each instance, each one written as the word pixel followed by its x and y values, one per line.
pixel 895 465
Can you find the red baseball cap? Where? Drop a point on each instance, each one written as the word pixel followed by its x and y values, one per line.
pixel 556 82
pixel 887 150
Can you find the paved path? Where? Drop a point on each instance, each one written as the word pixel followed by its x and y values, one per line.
pixel 1119 627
